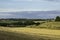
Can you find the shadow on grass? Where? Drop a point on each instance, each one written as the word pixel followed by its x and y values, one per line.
pixel 15 36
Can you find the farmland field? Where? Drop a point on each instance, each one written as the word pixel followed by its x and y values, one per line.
pixel 7 33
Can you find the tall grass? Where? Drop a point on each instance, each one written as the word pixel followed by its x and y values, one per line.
pixel 50 25
pixel 7 33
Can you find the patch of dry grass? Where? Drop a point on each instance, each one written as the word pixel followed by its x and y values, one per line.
pixel 7 33
pixel 50 25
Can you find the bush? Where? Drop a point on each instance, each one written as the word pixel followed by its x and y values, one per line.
pixel 57 18
pixel 19 23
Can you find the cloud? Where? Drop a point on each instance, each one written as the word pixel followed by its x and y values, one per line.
pixel 26 9
pixel 26 0
pixel 21 0
pixel 9 10
pixel 27 5
pixel 53 0
pixel 15 1
pixel 5 14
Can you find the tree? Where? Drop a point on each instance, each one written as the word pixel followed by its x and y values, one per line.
pixel 57 18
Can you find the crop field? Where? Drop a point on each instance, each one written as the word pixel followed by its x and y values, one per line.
pixel 7 33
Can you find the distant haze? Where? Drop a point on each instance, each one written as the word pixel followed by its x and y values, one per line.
pixel 30 14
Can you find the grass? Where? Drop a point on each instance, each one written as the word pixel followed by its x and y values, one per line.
pixel 50 25
pixel 7 33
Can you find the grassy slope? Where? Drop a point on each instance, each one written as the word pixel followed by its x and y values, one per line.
pixel 53 25
pixel 28 34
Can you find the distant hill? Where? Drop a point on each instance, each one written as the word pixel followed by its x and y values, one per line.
pixel 30 14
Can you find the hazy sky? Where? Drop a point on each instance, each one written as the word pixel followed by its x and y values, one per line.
pixel 29 5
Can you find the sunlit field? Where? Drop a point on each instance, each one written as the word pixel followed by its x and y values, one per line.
pixel 50 25
pixel 20 33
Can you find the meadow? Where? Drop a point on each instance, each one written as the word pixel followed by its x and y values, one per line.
pixel 27 33
pixel 50 25
pixel 46 30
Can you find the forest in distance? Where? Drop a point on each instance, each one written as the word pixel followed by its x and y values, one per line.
pixel 13 22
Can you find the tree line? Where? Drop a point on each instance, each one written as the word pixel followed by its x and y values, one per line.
pixel 19 23
pixel 22 22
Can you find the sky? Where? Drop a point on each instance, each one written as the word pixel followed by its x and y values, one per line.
pixel 28 5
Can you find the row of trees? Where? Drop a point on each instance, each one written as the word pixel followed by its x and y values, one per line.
pixel 18 24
